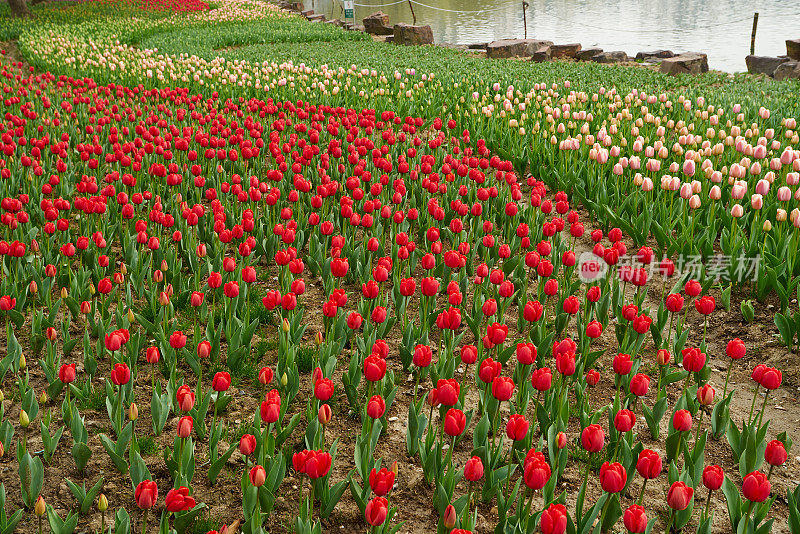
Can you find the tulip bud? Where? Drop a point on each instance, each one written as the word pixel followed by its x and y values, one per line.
pixel 164 266
pixel 65 293
pixel 102 503
pixel 92 289
pixel 43 398
pixel 131 316
pixel 24 420
pixel 561 440
pixel 22 362
pixel 133 412
pixel 2 397
pixel 123 269
pixel 449 518
pixel 285 326
pixel 395 468
pixel 41 507
pixel 325 414
pixel 284 380
pixel 318 339
pixel 2 449
pixel 33 288
pixel 767 226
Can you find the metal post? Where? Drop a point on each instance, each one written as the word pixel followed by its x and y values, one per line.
pixel 525 17
pixel 753 35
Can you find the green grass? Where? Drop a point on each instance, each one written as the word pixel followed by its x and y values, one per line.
pixel 147 446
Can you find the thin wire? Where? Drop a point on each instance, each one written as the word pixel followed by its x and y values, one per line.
pixel 382 5
pixel 448 10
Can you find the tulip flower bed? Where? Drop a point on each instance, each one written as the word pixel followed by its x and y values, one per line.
pixel 305 299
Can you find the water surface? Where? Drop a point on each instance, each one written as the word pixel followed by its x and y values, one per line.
pixel 720 28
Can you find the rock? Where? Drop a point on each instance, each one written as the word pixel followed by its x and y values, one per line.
pixel 542 55
pixel 763 64
pixel 317 18
pixel 688 63
pixel 565 50
pixel 788 70
pixel 505 48
pixel 378 24
pixel 616 56
pixel 793 48
pixel 307 13
pixel 588 53
pixel 478 46
pixel 654 56
pixel 406 34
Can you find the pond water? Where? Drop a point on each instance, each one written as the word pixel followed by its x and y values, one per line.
pixel 720 28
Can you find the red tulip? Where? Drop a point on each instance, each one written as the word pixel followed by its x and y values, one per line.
pixel 502 388
pixel 624 420
pixel 489 370
pixel 178 500
pixel 593 438
pixel 121 374
pixel 705 395
pixel 376 407
pixel 622 364
pixel 422 356
pixel 679 496
pixel 473 469
pixel 381 481
pixel 536 474
pixel 649 464
pixel 318 463
pixel 705 305
pixel 271 407
pixel 736 349
pixel 221 381
pixel 674 302
pixel 554 519
pixel 713 477
pixel 542 379
pixel 323 389
pixel 185 398
pixel 447 391
pixel 693 360
pixel 771 378
pixel 454 422
pixel 376 511
pixel 775 453
pixel 635 519
pixel 682 421
pixel 146 494
pixel 517 427
pixel 374 368
pixel 612 477
pixel 592 377
pixel 639 385
pixel 756 487
pixel 185 425
pixel 265 375
pixel 67 373
pixel 177 340
pixel 258 475
pixel 247 444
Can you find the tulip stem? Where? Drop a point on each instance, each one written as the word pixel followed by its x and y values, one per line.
pixel 763 408
pixel 641 493
pixel 669 523
pixel 727 377
pixel 747 517
pixel 144 522
pixel 708 503
pixel 753 405
pixel 699 424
